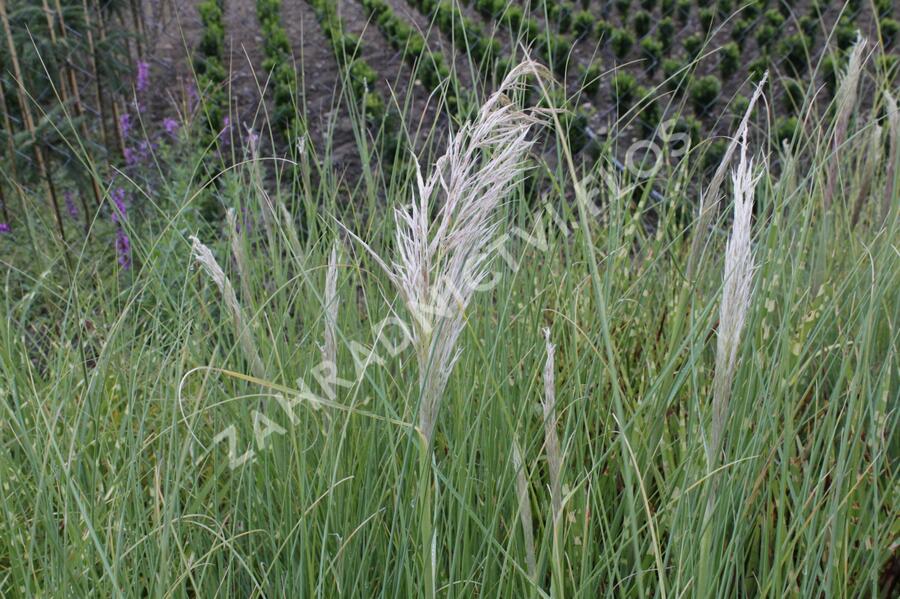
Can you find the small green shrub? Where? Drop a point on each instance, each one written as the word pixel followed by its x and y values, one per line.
pixel 739 31
pixel 641 23
pixel 845 33
pixel 583 23
pixel 666 30
pixel 693 44
pixel 683 10
pixel 673 73
pixel 707 18
pixel 889 30
pixel 794 95
pixel 621 42
pixel 623 86
pixel 714 153
pixel 731 60
pixel 603 30
pixel 786 128
pixel 590 78
pixel 757 67
pixel 794 50
pixel 765 35
pixel 704 92
pixel 774 18
pixel 652 50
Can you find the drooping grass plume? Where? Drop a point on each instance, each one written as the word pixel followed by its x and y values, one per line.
pixel 329 344
pixel 554 463
pixel 735 296
pixel 204 256
pixel 845 102
pixel 443 255
pixel 551 438
pixel 893 116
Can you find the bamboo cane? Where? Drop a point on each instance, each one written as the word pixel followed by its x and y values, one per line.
pixel 29 121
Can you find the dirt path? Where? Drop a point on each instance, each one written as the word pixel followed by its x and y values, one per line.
pixel 327 118
pixel 396 82
pixel 244 57
pixel 173 29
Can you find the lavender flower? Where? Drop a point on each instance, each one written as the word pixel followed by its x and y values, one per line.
pixel 131 157
pixel 5 228
pixel 71 208
pixel 125 124
pixel 224 136
pixel 143 76
pixel 119 208
pixel 171 126
pixel 123 249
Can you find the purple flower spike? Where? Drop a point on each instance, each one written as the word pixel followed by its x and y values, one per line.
pixel 123 249
pixel 143 76
pixel 5 228
pixel 171 126
pixel 125 124
pixel 131 157
pixel 118 198
pixel 71 208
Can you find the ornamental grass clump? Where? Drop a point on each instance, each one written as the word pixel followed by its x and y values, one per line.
pixel 444 236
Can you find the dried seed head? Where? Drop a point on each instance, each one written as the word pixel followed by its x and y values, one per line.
pixel 204 256
pixel 735 294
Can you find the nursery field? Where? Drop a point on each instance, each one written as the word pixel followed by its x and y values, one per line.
pixel 449 298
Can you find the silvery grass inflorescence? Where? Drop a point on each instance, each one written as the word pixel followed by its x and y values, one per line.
pixel 443 254
pixel 893 116
pixel 329 344
pixel 738 278
pixel 844 105
pixel 709 201
pixel 204 257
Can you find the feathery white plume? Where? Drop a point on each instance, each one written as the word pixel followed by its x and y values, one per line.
pixel 329 345
pixel 551 439
pixel 893 116
pixel 844 104
pixel 709 201
pixel 735 294
pixel 207 261
pixel 443 254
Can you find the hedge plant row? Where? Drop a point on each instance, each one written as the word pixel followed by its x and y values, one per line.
pixel 279 62
pixel 360 74
pixel 209 63
pixel 484 49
